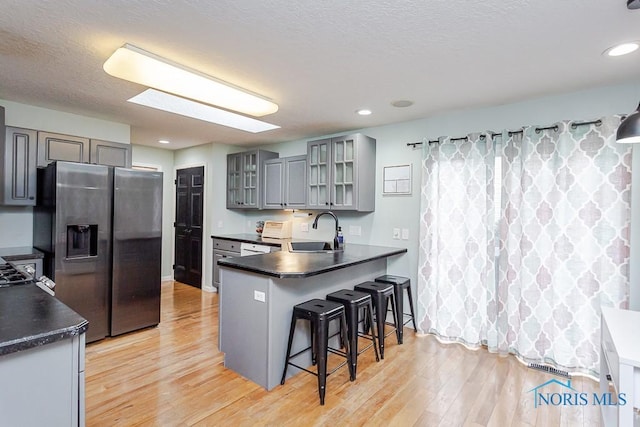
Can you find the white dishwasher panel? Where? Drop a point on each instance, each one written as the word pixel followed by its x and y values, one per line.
pixel 253 249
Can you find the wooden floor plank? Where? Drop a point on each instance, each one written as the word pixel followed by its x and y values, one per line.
pixel 174 375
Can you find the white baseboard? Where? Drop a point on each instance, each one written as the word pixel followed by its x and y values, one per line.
pixel 209 288
pixel 166 278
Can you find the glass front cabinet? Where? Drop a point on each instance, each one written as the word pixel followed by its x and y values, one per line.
pixel 243 178
pixel 341 173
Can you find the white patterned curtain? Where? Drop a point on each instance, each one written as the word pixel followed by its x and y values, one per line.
pixel 564 227
pixel 564 242
pixel 457 249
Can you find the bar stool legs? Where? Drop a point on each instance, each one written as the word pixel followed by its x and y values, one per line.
pixel 353 302
pixel 399 284
pixel 381 295
pixel 319 313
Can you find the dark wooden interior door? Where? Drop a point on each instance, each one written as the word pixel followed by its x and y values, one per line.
pixel 188 226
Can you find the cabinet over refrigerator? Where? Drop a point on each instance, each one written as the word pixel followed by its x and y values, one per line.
pixel 100 229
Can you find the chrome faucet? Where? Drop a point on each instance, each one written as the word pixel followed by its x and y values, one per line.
pixel 315 227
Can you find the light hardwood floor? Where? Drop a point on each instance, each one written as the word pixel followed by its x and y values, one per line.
pixel 173 375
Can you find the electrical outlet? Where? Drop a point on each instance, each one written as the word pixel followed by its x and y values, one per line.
pixel 405 234
pixel 396 233
pixel 220 224
pixel 355 230
pixel 304 227
pixel 259 296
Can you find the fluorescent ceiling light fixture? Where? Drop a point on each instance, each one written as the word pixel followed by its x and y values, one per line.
pixel 163 141
pixel 142 67
pixel 622 49
pixel 185 107
pixel 364 112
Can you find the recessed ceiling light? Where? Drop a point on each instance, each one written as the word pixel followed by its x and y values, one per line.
pixel 139 66
pixel 185 107
pixel 164 141
pixel 622 49
pixel 364 112
pixel 402 103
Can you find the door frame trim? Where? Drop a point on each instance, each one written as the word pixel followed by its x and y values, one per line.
pixel 205 220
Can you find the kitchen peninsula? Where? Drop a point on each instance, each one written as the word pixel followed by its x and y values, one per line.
pixel 257 295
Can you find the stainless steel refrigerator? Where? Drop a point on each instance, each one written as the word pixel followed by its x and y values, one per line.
pixel 100 228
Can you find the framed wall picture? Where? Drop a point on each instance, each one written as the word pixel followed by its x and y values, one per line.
pixel 396 180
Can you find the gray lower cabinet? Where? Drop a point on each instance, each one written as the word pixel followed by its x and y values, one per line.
pixel 18 167
pixel 285 183
pixel 222 249
pixel 44 385
pixel 342 173
pixel 53 147
pixel 109 153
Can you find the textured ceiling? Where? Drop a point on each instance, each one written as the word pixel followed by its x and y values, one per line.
pixel 318 60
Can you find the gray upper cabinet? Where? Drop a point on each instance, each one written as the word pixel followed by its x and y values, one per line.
pixel 341 173
pixel 109 153
pixel 273 184
pixel 53 146
pixel 295 183
pixel 234 180
pixel 244 174
pixel 18 165
pixel 284 184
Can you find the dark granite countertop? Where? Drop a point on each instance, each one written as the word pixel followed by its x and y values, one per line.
pixel 20 253
pixel 29 317
pixel 284 264
pixel 251 238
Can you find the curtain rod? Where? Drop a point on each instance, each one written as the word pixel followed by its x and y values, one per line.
pixel 573 125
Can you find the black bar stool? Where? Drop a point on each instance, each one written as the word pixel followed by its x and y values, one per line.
pixel 399 284
pixel 353 301
pixel 381 294
pixel 319 312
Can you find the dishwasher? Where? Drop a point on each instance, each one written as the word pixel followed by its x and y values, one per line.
pixel 247 249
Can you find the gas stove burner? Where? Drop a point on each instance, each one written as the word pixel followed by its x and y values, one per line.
pixel 9 275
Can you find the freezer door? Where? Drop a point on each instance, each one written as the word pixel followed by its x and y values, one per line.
pixel 137 244
pixel 83 241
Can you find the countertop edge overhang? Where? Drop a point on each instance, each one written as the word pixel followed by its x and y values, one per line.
pixel 288 265
pixel 29 318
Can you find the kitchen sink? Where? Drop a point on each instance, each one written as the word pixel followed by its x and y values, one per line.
pixel 310 247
